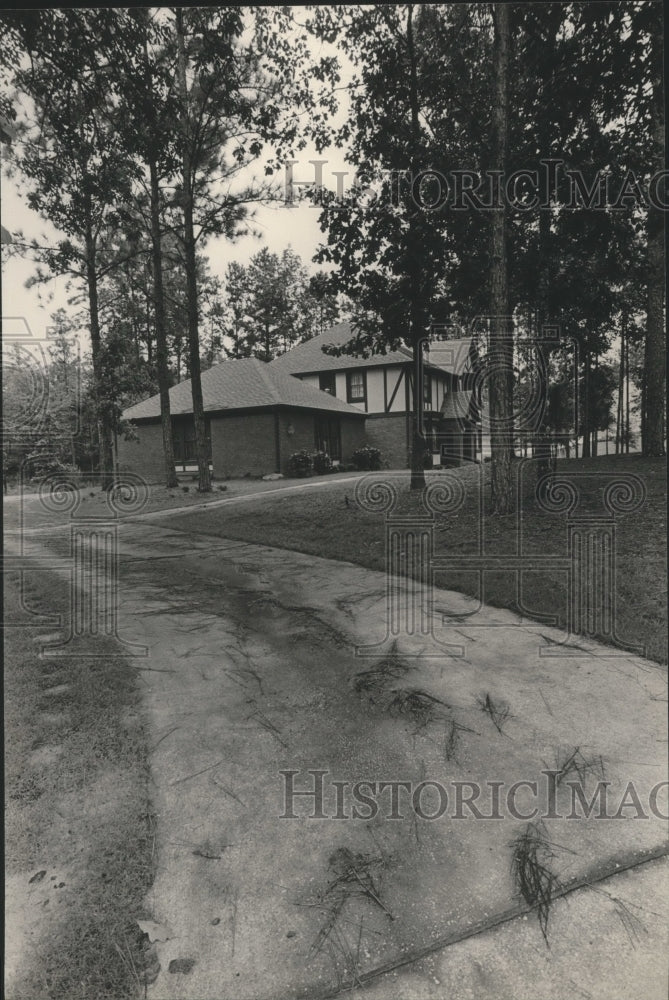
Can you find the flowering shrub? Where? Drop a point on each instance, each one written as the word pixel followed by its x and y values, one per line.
pixel 321 463
pixel 300 464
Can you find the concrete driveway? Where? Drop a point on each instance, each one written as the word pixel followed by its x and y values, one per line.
pixel 255 691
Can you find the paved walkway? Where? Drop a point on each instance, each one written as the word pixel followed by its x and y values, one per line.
pixel 262 661
pixel 256 495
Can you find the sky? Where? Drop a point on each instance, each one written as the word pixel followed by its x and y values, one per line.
pixel 280 226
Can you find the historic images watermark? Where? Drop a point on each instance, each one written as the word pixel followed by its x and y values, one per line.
pixel 462 190
pixel 94 562
pixel 305 795
pixel 48 486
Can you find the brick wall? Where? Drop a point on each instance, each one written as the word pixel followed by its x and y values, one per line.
pixel 243 445
pixel 302 436
pixel 352 437
pixel 144 457
pixel 388 434
pixel 240 444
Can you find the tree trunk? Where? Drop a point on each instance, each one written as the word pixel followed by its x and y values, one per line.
pixel 418 442
pixel 586 406
pixel 204 478
pixel 644 415
pixel 147 299
pixel 161 333
pixel 106 462
pixel 133 308
pixel 418 319
pixel 627 395
pixel 159 292
pixel 654 363
pixel 542 442
pixel 501 348
pixel 621 384
pixel 546 442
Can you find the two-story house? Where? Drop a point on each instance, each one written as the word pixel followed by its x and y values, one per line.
pixel 381 387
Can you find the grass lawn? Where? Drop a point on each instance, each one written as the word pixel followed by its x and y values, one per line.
pixel 327 522
pixel 33 512
pixel 78 829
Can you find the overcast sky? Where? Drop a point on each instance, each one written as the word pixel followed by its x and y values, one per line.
pixel 279 225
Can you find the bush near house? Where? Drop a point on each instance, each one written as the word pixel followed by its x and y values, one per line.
pixel 367 459
pixel 322 463
pixel 300 464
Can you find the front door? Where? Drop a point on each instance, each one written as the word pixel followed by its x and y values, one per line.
pixel 328 437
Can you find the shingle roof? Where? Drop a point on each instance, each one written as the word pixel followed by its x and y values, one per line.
pixel 239 385
pixel 309 356
pixel 459 405
pixel 454 356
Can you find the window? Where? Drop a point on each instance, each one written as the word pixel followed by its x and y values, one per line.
pixel 356 387
pixel 327 383
pixel 183 432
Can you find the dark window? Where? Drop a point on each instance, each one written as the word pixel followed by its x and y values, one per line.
pixel 328 383
pixel 183 432
pixel 356 387
pixel 328 437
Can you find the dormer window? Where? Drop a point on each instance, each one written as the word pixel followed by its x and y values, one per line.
pixel 327 383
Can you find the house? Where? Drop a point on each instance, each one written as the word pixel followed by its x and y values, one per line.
pixel 256 417
pixel 381 387
pixel 259 414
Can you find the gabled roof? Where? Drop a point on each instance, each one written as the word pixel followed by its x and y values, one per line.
pixel 309 357
pixel 243 384
pixel 460 405
pixel 453 356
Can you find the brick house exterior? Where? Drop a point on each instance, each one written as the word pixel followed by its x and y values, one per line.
pixel 256 418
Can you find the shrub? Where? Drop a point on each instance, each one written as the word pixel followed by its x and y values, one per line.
pixel 321 463
pixel 300 464
pixel 367 459
pixel 427 460
pixel 44 461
